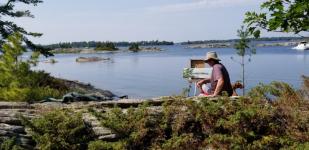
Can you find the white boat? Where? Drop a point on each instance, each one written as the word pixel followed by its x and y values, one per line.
pixel 302 46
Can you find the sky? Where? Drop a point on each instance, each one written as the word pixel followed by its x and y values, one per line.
pixel 136 20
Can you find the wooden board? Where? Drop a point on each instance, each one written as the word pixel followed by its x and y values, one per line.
pixel 197 63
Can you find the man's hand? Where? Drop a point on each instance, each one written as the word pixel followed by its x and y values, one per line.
pixel 200 83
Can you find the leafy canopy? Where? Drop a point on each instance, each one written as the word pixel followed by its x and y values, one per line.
pixel 280 16
pixel 7 27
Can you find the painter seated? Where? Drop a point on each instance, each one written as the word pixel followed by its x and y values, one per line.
pixel 219 80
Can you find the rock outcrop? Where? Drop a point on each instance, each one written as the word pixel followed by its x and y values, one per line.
pixel 11 124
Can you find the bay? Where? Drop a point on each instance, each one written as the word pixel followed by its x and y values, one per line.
pixel 153 74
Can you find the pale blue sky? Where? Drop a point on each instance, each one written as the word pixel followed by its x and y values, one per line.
pixel 135 20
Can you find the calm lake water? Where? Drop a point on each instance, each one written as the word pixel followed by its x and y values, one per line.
pixel 152 74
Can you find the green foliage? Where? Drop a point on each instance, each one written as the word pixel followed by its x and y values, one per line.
pixel 222 123
pixel 66 51
pixel 138 128
pixel 273 90
pixel 134 47
pixel 7 27
pixel 9 144
pixel 106 46
pixel 243 46
pixel 18 82
pixel 93 44
pixel 187 73
pixel 102 145
pixel 280 16
pixel 59 130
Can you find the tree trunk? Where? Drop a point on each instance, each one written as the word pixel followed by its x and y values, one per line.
pixel 243 74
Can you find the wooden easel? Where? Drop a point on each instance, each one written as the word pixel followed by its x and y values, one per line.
pixel 200 71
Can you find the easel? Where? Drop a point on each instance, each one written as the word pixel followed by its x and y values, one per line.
pixel 199 70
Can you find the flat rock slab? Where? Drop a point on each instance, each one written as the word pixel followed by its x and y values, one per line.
pixel 15 105
pixel 13 128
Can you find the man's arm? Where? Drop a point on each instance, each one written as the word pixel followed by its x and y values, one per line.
pixel 201 82
pixel 219 86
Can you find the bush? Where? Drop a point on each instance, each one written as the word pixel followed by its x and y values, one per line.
pixel 9 144
pixel 138 128
pixel 59 129
pixel 34 86
pixel 102 145
pixel 246 123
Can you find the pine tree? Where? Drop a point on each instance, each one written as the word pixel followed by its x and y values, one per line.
pixel 7 27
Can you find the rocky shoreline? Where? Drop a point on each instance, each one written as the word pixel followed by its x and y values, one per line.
pixel 87 88
pixel 230 45
pixel 93 51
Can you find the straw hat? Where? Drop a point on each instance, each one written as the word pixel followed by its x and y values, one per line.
pixel 212 55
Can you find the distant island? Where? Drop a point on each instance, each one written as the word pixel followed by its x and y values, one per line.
pixel 95 44
pixel 97 47
pixel 105 46
pixel 261 42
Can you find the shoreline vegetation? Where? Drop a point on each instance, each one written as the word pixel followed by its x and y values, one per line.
pixel 105 49
pixel 94 44
pixel 152 46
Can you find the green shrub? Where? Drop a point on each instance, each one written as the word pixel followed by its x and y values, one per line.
pixel 9 144
pixel 29 94
pixel 102 145
pixel 59 129
pixel 137 127
pixel 245 123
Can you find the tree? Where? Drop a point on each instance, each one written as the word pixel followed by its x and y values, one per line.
pixel 7 28
pixel 18 82
pixel 134 47
pixel 105 46
pixel 243 49
pixel 280 16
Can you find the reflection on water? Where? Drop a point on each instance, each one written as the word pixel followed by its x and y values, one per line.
pixel 151 74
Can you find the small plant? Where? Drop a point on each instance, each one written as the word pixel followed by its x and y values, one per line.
pixel 243 49
pixel 187 73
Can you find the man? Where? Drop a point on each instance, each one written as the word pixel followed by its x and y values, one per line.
pixel 219 80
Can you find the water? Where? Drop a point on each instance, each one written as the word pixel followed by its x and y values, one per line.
pixel 152 74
